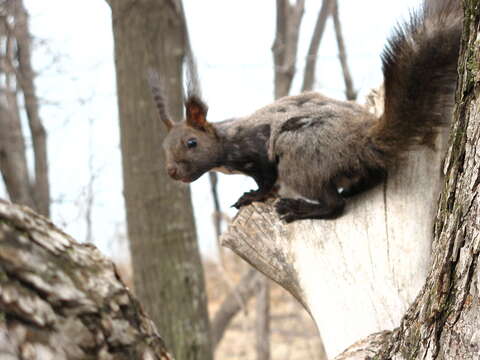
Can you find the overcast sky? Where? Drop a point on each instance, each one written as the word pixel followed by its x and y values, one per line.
pixel 232 41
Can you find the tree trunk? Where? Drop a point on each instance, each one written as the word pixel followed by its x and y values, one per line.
pixel 18 78
pixel 365 272
pixel 285 45
pixel 443 321
pixel 63 300
pixel 168 274
pixel 25 77
pixel 13 159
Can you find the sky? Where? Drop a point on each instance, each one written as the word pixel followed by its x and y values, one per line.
pixel 73 56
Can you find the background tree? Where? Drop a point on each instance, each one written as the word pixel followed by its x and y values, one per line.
pixel 167 271
pixel 18 89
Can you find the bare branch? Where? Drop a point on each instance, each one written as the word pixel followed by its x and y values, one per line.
pixel 262 321
pixel 217 215
pixel 233 303
pixel 285 46
pixel 13 160
pixel 350 92
pixel 90 196
pixel 193 79
pixel 309 74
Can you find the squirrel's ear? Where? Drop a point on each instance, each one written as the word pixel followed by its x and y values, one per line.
pixel 196 111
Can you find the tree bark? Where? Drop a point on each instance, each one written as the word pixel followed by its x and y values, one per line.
pixel 443 321
pixel 63 300
pixel 168 274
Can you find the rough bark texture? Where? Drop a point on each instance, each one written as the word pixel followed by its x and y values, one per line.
pixel 63 300
pixel 168 274
pixel 377 253
pixel 443 321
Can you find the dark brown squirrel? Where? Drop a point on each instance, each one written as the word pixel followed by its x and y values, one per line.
pixel 323 149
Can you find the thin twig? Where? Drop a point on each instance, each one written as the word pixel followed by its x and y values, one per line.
pixel 350 92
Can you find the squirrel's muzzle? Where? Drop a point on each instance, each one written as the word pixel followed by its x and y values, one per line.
pixel 172 172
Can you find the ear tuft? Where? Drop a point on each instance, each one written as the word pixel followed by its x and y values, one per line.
pixel 156 87
pixel 196 111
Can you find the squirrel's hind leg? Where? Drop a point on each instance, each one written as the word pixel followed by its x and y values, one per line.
pixel 351 184
pixel 329 206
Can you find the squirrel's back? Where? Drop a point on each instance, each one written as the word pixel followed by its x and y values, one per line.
pixel 420 74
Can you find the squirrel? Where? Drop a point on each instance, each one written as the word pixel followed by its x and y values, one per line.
pixel 323 149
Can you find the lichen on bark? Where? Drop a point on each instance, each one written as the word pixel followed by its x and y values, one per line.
pixel 63 300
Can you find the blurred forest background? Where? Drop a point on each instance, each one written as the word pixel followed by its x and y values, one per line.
pixel 62 148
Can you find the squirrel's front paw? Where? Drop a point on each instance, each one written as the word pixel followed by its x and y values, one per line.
pixel 251 196
pixel 245 199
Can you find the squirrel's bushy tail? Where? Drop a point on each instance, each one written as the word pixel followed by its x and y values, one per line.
pixel 420 73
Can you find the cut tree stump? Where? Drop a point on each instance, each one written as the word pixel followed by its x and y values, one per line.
pixel 358 274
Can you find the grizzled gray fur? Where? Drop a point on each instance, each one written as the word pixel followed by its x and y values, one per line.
pixel 323 149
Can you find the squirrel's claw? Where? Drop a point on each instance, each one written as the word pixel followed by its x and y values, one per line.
pixel 251 196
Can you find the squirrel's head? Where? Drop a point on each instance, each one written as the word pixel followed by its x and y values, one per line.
pixel 191 146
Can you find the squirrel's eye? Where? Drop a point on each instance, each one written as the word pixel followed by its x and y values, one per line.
pixel 191 143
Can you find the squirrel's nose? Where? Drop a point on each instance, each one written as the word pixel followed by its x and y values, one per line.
pixel 172 171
